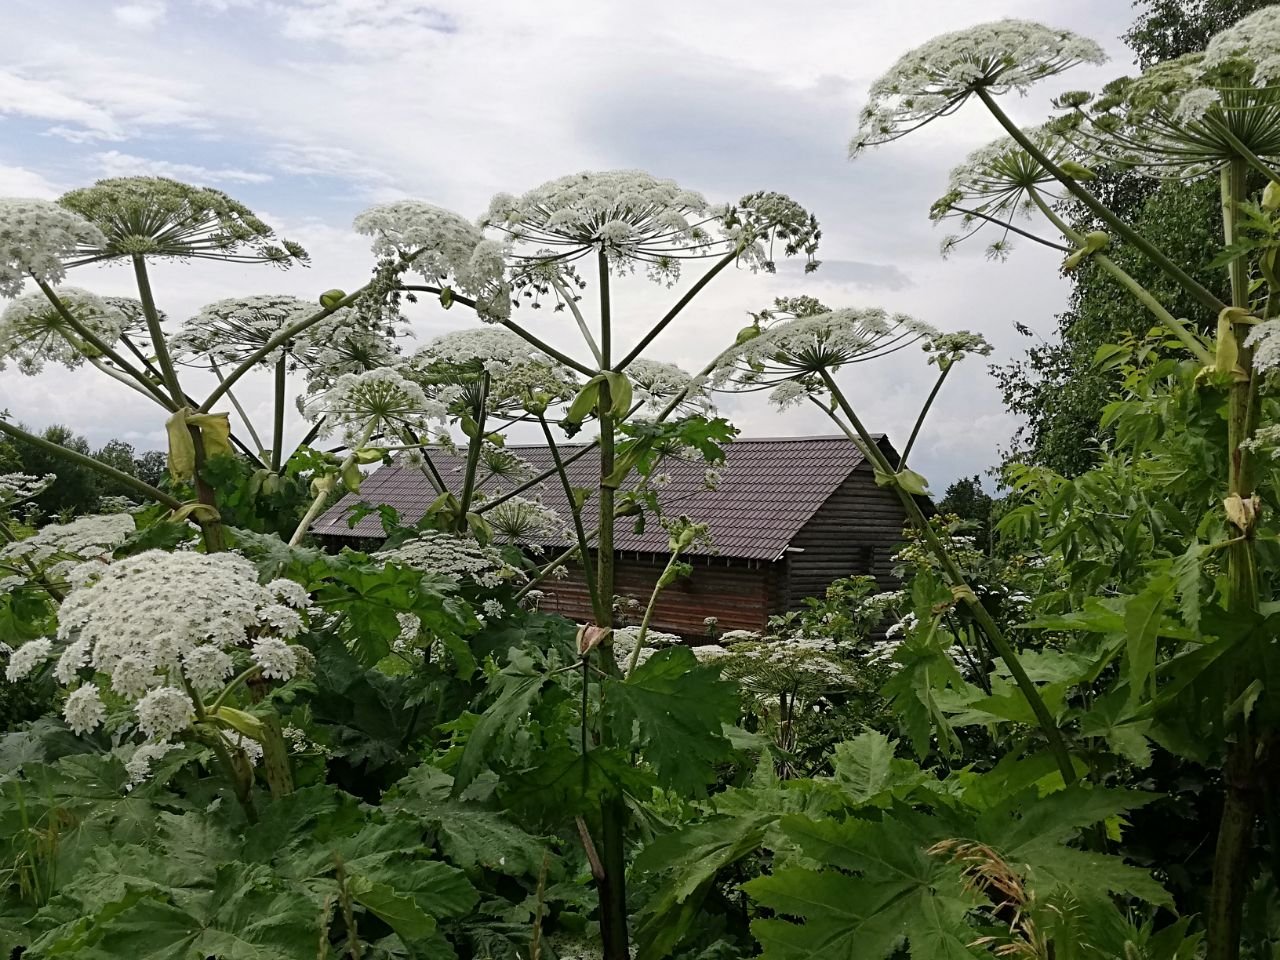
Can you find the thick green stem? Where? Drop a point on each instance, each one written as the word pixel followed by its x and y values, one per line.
pixel 119 476
pixel 1175 326
pixel 674 312
pixel 158 343
pixel 1099 209
pixel 924 412
pixel 576 512
pixel 215 536
pixel 277 431
pixel 1239 772
pixel 473 453
pixel 613 812
pixel 1057 746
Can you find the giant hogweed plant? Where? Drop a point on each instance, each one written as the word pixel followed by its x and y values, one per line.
pixel 1155 616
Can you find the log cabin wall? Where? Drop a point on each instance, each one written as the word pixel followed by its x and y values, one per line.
pixel 855 532
pixel 739 594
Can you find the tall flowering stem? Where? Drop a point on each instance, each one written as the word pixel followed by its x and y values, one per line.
pixel 1241 769
pixel 963 591
pixel 473 451
pixel 575 512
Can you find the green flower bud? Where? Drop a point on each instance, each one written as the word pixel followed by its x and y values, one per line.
pixel 331 298
pixel 1271 197
pixel 747 333
pixel 1077 171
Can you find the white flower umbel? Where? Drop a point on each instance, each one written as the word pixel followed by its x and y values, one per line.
pixel 359 404
pixel 33 330
pixel 934 79
pixel 632 216
pixel 158 217
pixel 444 248
pixel 655 383
pixel 456 558
pixel 158 623
pixel 992 187
pixel 517 520
pixel 1182 119
pixel 84 710
pixel 87 538
pixel 164 712
pixel 229 331
pixel 17 488
pixel 453 364
pixel 36 237
pixel 1264 340
pixel 948 348
pixel 1255 40
pixel 789 356
pixel 27 657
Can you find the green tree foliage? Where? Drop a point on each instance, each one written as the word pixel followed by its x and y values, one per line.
pixel 966 499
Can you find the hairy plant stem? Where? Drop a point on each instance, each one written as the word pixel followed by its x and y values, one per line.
pixel 215 535
pixel 473 453
pixel 924 412
pixel 1175 326
pixel 317 503
pixel 277 431
pixel 576 512
pixel 1100 210
pixel 1001 645
pixel 613 812
pixel 119 476
pixel 1240 770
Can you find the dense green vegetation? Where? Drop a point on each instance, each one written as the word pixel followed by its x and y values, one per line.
pixel 1054 737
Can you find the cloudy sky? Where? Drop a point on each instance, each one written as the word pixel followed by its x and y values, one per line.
pixel 311 110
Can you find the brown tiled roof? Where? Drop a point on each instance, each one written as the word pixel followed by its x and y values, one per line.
pixel 769 488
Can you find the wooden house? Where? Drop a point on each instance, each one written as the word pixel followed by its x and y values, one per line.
pixel 787 517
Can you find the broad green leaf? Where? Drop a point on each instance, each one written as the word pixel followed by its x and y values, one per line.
pixel 399 911
pixel 504 716
pixel 1142 619
pixel 868 772
pixel 673 708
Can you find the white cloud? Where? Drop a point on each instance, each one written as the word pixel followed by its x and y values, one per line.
pixel 113 163
pixel 21 182
pixel 143 14
pixel 343 102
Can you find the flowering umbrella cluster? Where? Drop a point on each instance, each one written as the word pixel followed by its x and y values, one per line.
pixel 16 488
pixel 360 404
pixel 518 520
pixel 65 549
pixel 789 357
pixel 36 237
pixel 655 384
pixel 457 558
pixel 994 185
pixel 936 78
pixel 1183 118
pixel 519 376
pixel 232 330
pixel 159 217
pixel 162 631
pixel 33 331
pixel 443 248
pixel 633 216
pixel 1254 39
